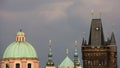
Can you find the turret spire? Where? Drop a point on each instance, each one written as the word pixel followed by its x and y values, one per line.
pixel 76 51
pixel 76 60
pixel 83 40
pixel 50 61
pixel 50 51
pixel 112 41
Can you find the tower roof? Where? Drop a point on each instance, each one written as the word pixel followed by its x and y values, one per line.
pixel 112 41
pixel 96 36
pixel 67 62
pixel 20 48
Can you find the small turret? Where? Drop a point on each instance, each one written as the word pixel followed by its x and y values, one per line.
pixel 76 59
pixel 112 40
pixel 50 62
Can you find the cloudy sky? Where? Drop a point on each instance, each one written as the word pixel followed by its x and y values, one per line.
pixel 62 21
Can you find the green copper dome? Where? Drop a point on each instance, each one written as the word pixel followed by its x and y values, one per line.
pixel 20 48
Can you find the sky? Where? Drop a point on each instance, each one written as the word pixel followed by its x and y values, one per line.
pixel 62 21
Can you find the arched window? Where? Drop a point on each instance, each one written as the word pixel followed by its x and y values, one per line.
pixel 7 65
pixel 29 65
pixel 17 65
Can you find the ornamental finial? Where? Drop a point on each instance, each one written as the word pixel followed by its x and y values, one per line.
pixel 92 12
pixel 75 43
pixel 50 43
pixel 67 51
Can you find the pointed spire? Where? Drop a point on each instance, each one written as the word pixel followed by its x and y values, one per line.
pixel 76 51
pixel 50 61
pixel 112 42
pixel 76 61
pixel 96 35
pixel 50 51
pixel 83 41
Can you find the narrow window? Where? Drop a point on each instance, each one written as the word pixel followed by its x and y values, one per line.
pixel 17 65
pixel 7 65
pixel 29 65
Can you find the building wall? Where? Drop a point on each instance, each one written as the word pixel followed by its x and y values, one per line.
pixel 23 63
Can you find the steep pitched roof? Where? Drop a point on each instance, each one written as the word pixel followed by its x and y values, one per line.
pixel 67 62
pixel 112 41
pixel 96 36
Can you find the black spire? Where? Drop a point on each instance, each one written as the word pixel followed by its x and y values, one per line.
pixel 83 42
pixel 96 36
pixel 50 61
pixel 112 41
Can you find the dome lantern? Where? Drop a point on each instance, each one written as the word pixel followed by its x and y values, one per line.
pixel 20 37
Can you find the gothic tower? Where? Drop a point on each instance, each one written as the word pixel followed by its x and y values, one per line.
pixel 98 53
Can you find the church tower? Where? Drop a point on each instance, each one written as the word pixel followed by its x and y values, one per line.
pixel 50 63
pixel 20 54
pixel 98 53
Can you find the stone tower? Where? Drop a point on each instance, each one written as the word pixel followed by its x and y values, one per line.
pixel 98 53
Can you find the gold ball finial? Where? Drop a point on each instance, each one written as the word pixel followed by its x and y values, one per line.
pixel 92 12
